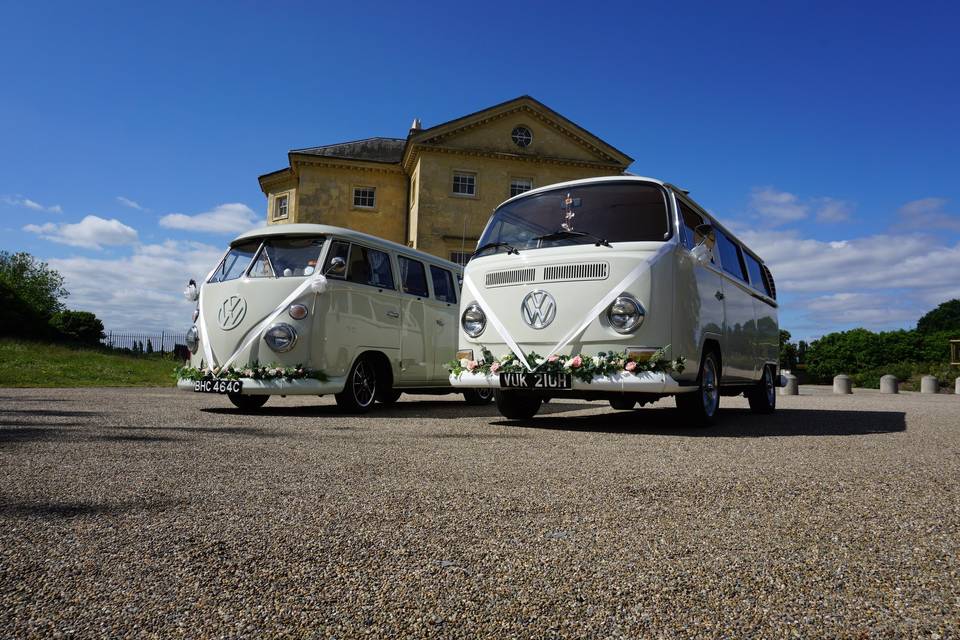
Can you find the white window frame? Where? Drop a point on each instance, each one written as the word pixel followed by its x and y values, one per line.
pixel 364 188
pixel 515 180
pixel 277 199
pixel 457 173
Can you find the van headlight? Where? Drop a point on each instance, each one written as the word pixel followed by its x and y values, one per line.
pixel 473 320
pixel 625 314
pixel 193 339
pixel 281 337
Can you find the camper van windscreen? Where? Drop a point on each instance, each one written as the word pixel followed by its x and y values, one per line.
pixel 617 212
pixel 235 262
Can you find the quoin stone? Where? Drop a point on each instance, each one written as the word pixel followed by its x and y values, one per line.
pixel 956 386
pixel 792 387
pixel 929 384
pixel 842 384
pixel 889 384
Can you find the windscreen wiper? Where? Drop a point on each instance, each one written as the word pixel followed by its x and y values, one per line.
pixel 494 245
pixel 563 233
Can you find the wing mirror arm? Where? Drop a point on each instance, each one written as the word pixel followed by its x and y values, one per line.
pixel 337 267
pixel 702 253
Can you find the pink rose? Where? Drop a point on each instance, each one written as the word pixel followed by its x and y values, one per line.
pixel 553 358
pixel 576 363
pixel 495 367
pixel 471 365
pixel 630 366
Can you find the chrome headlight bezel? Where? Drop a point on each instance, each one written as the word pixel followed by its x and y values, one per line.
pixel 281 337
pixel 477 322
pixel 621 318
pixel 193 339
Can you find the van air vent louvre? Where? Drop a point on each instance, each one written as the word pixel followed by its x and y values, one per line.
pixel 585 271
pixel 513 276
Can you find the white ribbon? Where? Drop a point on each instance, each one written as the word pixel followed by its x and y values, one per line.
pixel 590 317
pixel 319 279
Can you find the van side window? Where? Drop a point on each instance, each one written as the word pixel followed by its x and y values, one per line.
pixel 690 220
pixel 338 249
pixel 413 277
pixel 443 288
pixel 730 257
pixel 369 266
pixel 757 279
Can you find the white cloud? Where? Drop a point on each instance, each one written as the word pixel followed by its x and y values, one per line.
pixel 232 218
pixel 20 201
pixel 775 207
pixel 833 210
pixel 127 202
pixel 142 290
pixel 926 214
pixel 863 309
pixel 93 232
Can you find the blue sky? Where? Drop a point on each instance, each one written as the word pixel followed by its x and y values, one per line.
pixel 825 133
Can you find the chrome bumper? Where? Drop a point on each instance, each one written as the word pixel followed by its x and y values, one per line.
pixel 620 383
pixel 301 387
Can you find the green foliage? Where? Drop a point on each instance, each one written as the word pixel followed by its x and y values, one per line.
pixel 78 326
pixel 789 354
pixel 254 372
pixel 17 318
pixel 33 282
pixel 945 318
pixel 149 346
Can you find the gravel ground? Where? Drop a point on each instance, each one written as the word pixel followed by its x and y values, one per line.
pixel 163 514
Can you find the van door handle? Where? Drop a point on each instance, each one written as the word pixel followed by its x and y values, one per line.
pixel 440 322
pixel 718 295
pixel 393 314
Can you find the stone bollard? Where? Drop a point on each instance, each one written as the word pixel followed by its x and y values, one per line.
pixel 929 384
pixel 889 384
pixel 956 386
pixel 842 384
pixel 792 388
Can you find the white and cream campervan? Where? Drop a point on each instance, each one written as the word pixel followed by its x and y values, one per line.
pixel 621 289
pixel 305 309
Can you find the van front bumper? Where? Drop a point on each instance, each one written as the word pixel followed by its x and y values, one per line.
pixel 646 382
pixel 298 387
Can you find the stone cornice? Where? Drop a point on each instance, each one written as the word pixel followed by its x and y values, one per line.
pixel 309 160
pixel 274 178
pixel 500 155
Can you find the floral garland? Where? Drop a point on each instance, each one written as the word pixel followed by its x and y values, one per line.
pixel 582 367
pixel 255 372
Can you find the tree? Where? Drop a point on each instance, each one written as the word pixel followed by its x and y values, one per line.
pixel 33 281
pixel 946 317
pixel 788 351
pixel 149 346
pixel 78 326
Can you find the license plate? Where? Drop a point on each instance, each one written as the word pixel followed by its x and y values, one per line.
pixel 535 380
pixel 218 386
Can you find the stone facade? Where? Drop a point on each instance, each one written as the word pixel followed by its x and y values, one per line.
pixel 435 189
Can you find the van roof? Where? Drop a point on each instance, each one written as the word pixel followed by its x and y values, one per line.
pixel 583 181
pixel 302 229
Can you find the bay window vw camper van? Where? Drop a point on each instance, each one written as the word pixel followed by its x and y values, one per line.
pixel 304 309
pixel 620 289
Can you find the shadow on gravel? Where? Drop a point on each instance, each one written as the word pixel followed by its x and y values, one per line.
pixel 731 423
pixel 226 431
pixel 32 432
pixel 50 413
pixel 72 509
pixel 433 409
pixel 138 438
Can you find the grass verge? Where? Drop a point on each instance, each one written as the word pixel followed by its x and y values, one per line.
pixel 24 363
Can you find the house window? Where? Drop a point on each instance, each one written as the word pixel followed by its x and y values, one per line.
pixel 520 185
pixel 465 184
pixel 460 257
pixel 522 137
pixel 365 197
pixel 280 207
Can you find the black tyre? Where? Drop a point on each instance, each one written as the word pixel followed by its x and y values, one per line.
pixel 622 404
pixel 763 399
pixel 477 397
pixel 389 396
pixel 360 392
pixel 247 403
pixel 699 408
pixel 516 405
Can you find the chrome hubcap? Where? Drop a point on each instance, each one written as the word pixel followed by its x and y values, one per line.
pixel 364 385
pixel 710 393
pixel 771 388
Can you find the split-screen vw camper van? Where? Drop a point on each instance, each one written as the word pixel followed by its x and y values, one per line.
pixel 304 309
pixel 621 289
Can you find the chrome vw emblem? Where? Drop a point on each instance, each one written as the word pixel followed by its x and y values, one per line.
pixel 231 312
pixel 538 309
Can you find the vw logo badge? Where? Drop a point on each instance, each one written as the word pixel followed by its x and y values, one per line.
pixel 538 309
pixel 231 312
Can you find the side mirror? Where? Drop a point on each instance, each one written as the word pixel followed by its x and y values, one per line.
pixel 704 230
pixel 338 266
pixel 701 253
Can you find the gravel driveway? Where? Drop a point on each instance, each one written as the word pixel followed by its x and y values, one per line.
pixel 158 513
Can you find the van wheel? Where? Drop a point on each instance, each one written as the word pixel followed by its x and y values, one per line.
pixel 360 392
pixel 477 397
pixel 247 403
pixel 763 399
pixel 622 404
pixel 699 408
pixel 517 406
pixel 389 397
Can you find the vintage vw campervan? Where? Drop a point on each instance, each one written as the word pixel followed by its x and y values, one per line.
pixel 304 309
pixel 621 289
